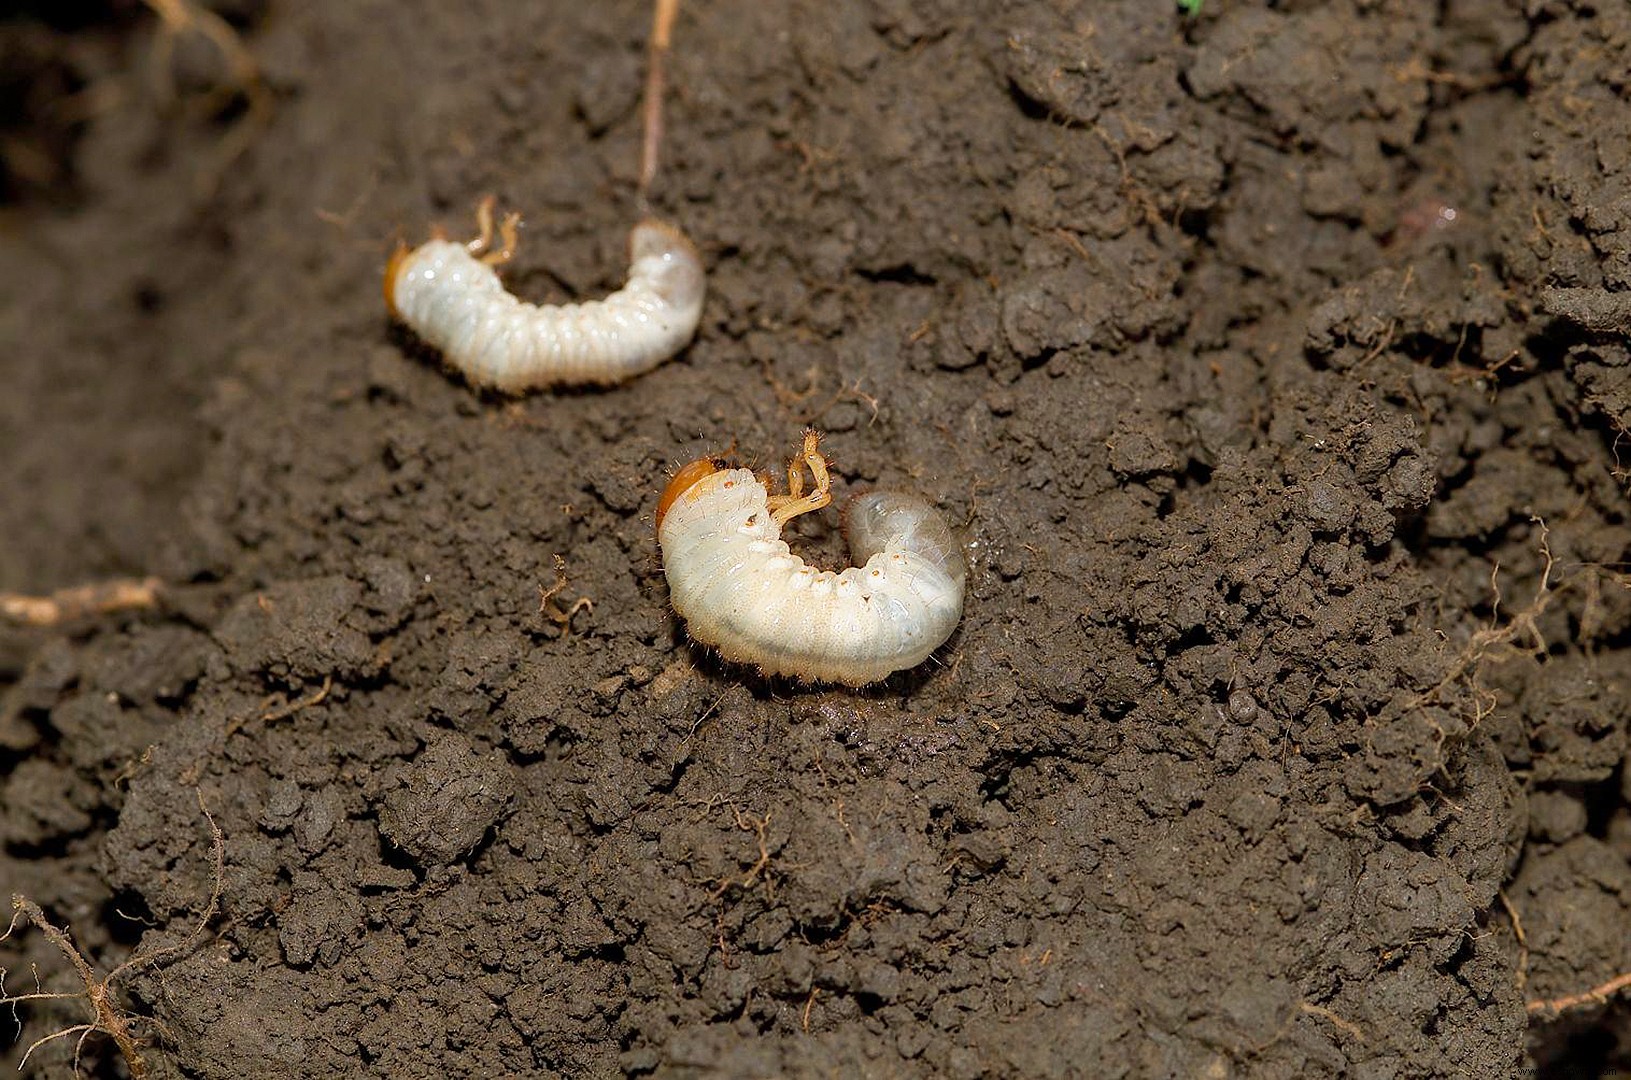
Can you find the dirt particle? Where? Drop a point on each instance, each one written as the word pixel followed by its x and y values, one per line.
pixel 1242 706
pixel 299 630
pixel 1330 509
pixel 446 801
pixel 1054 310
pixel 283 803
pixel 1556 816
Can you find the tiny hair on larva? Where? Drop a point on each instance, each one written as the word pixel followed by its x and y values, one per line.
pixel 739 588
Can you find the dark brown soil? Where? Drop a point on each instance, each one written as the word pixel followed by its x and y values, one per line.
pixel 1274 357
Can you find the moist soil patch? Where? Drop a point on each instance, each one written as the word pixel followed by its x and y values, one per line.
pixel 1272 359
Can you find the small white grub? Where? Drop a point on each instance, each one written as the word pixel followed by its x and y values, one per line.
pixel 451 297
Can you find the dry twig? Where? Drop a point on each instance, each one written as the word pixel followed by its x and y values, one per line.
pixel 1597 995
pixel 662 26
pixel 66 605
pixel 1518 932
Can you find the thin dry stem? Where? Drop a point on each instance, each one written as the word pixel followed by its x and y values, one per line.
pixel 1347 1027
pixel 1597 995
pixel 1522 976
pixel 67 605
pixel 662 26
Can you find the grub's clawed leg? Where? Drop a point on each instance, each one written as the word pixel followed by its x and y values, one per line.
pixel 508 237
pixel 482 246
pixel 785 508
pixel 484 221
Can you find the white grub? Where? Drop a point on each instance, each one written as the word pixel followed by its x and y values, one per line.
pixel 451 297
pixel 739 589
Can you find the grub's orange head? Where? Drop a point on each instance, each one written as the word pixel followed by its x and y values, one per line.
pixel 683 481
pixel 393 269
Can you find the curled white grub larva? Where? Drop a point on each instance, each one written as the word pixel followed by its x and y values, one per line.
pixel 733 580
pixel 449 294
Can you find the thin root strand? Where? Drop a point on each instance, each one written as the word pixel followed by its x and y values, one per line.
pixel 275 707
pixel 662 26
pixel 757 826
pixel 552 611
pixel 108 1017
pixel 1597 995
pixel 180 16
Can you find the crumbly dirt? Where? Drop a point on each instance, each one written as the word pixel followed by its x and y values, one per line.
pixel 1274 360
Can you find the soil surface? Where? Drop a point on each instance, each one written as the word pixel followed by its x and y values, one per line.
pixel 1272 358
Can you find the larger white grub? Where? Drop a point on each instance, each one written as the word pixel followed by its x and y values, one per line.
pixel 739 588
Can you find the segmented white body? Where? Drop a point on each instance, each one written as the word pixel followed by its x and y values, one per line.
pixel 739 588
pixel 456 302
